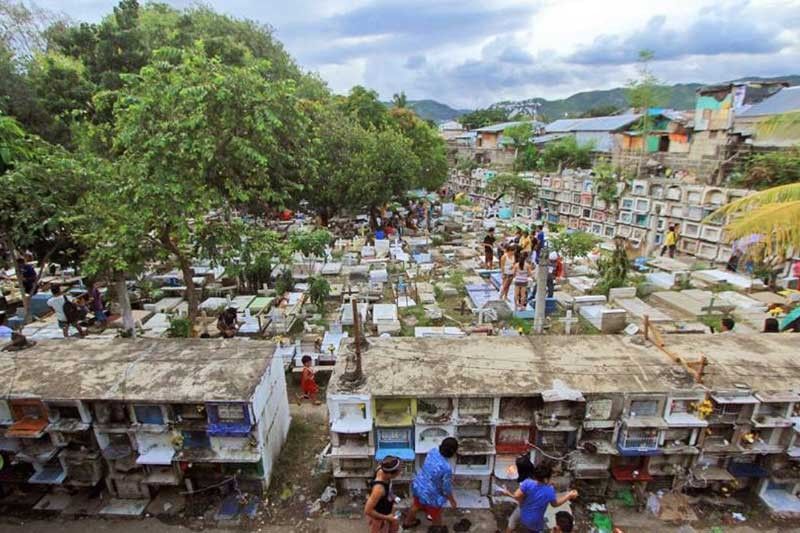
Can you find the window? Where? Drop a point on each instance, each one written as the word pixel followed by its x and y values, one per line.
pixel 148 414
pixel 192 411
pixel 472 460
pixel 644 408
pixel 193 440
pixel 229 412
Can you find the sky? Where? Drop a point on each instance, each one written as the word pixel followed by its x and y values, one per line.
pixel 470 53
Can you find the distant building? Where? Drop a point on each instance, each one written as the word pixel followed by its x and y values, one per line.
pixel 599 131
pixel 492 136
pixel 451 129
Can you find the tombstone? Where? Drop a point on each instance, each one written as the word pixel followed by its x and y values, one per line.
pixel 568 321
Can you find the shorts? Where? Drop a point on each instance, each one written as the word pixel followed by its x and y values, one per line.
pixel 513 520
pixel 434 512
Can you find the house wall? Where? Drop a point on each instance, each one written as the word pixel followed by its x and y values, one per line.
pixel 487 139
pixel 272 415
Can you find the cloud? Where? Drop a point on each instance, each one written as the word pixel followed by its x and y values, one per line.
pixel 713 33
pixel 415 62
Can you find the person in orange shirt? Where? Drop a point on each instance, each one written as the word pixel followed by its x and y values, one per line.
pixel 308 382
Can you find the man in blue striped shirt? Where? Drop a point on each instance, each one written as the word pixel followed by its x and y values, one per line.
pixel 433 485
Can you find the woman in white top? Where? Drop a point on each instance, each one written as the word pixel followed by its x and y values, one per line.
pixel 507 270
pixel 522 277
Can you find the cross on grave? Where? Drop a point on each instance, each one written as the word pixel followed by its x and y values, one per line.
pixel 568 321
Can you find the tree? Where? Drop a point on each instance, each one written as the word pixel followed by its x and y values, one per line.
pixel 606 184
pixel 613 269
pixel 365 106
pixel 645 93
pixel 311 244
pixel 427 145
pixel 318 291
pixel 399 100
pixel 195 138
pixel 566 153
pixel 483 117
pixel 773 168
pixel 771 214
pixel 42 186
pixel 527 159
pixel 510 184
pixel 571 245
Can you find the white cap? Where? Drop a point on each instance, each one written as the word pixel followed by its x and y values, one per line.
pixel 553 256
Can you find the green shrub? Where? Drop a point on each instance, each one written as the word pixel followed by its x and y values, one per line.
pixel 179 328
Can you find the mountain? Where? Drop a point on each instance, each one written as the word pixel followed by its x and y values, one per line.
pixel 681 96
pixel 433 110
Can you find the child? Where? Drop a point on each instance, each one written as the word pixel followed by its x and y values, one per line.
pixel 308 382
pixel 564 522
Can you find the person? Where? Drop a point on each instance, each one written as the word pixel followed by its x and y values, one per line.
pixel 539 212
pixel 433 485
pixel 507 270
pixel 522 277
pixel 732 264
pixel 5 331
pixel 670 241
pixel 540 238
pixel 488 248
pixel 518 236
pixel 771 325
pixel 28 276
pixel 227 323
pixel 308 382
pixel 552 265
pixel 379 508
pixel 534 495
pixel 524 471
pixel 726 325
pixel 558 269
pixel 98 308
pixel 564 523
pixel 525 244
pixel 57 303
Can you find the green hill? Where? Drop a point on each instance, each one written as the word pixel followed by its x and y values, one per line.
pixel 433 110
pixel 681 96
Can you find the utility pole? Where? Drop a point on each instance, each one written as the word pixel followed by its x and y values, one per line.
pixel 541 290
pixel 356 331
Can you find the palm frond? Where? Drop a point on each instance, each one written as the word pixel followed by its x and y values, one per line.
pixel 785 125
pixel 777 223
pixel 780 194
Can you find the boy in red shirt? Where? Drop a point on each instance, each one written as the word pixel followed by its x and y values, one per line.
pixel 308 383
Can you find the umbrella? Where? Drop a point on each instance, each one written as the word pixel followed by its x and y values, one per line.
pixel 793 315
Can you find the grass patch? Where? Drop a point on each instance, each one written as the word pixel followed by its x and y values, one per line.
pixel 524 327
pixel 296 451
pixel 712 321
pixel 721 287
pixel 586 327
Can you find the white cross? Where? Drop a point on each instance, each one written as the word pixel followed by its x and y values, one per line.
pixel 568 321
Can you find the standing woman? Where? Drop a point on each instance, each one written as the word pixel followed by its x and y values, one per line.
pixel 522 277
pixel 379 508
pixel 507 270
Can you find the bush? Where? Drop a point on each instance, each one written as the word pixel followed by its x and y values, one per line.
pixel 179 328
pixel 574 244
pixel 284 282
pixel 319 289
pixel 567 153
pixel 613 269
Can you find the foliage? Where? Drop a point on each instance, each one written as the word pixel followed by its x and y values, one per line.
pixel 466 164
pixel 613 269
pixel 527 159
pixel 574 244
pixel 771 169
pixel 647 91
pixel 784 125
pixel 511 184
pixel 483 117
pixel 399 100
pixel 523 327
pixel 365 107
pixel 772 214
pixel 605 183
pixel 179 328
pixel 311 243
pixel 456 279
pixel 427 145
pixel 566 153
pixel 463 201
pixel 520 134
pixel 284 282
pixel 319 289
pixel 602 110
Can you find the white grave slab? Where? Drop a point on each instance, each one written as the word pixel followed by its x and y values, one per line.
pixel 214 304
pixel 347 313
pixel 167 304
pixel 447 332
pixel 722 276
pixel 385 317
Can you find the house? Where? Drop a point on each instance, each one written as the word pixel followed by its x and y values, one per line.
pixel 141 415
pixel 492 136
pixel 623 411
pixel 450 129
pixel 599 131
pixel 669 131
pixel 715 109
pixel 747 122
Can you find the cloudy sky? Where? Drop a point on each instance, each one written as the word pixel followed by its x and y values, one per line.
pixel 471 53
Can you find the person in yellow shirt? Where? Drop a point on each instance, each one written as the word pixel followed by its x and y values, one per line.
pixel 525 245
pixel 670 241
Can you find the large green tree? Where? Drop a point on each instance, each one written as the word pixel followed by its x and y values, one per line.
pixel 195 138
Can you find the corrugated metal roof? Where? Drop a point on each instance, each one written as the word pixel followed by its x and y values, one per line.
pixel 495 128
pixel 546 138
pixel 784 101
pixel 592 124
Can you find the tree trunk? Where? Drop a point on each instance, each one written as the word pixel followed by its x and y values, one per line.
pixel 541 291
pixel 191 292
pixel 121 288
pixel 26 299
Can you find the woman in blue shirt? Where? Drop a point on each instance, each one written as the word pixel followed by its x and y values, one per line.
pixel 534 495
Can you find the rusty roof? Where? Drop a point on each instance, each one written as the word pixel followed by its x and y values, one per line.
pixel 165 370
